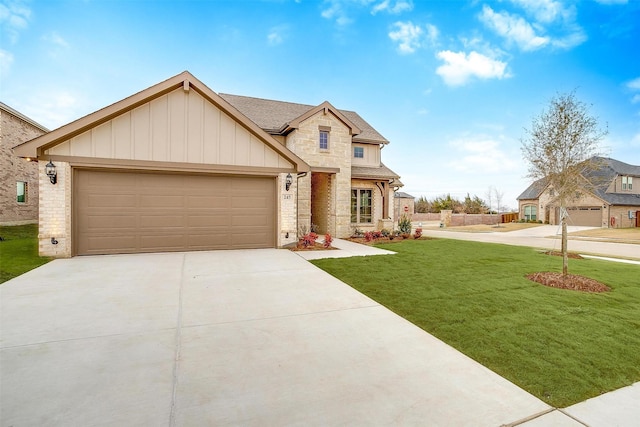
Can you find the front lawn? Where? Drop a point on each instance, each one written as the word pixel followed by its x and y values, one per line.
pixel 19 250
pixel 562 346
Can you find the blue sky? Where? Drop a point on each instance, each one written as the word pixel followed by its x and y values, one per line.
pixel 452 84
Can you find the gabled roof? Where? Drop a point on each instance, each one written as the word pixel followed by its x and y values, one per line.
pixel 401 195
pixel 606 171
pixel 21 116
pixel 534 190
pixel 186 80
pixel 610 169
pixel 278 117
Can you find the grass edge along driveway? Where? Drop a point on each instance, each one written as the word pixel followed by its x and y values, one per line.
pixel 19 251
pixel 562 346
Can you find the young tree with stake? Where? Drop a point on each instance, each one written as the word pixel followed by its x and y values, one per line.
pixel 559 147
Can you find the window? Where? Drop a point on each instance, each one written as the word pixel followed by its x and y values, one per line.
pixel 324 140
pixel 530 212
pixel 358 152
pixel 361 206
pixel 627 183
pixel 21 192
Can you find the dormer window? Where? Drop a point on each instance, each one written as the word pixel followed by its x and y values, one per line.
pixel 627 183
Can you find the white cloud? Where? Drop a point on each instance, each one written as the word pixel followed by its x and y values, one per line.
pixel 544 11
pixel 340 10
pixel 480 154
pixel 460 68
pixel 55 39
pixel 394 8
pixel 337 11
pixel 608 2
pixel 14 17
pixel 432 34
pixel 6 61
pixel 553 24
pixel 513 28
pixel 407 35
pixel 277 35
pixel 634 84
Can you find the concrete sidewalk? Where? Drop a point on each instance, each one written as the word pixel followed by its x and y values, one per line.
pixel 543 237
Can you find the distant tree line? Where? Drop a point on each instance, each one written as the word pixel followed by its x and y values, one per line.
pixel 470 205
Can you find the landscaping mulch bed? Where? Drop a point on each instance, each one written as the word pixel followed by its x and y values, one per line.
pixel 363 241
pixel 571 282
pixel 316 247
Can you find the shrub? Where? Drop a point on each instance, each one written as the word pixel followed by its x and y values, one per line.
pixel 357 232
pixel 308 239
pixel 404 224
pixel 418 233
pixel 327 240
pixel 377 234
pixel 385 232
pixel 368 236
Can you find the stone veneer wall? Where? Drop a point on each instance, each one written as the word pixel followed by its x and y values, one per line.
pixel 55 212
pixel 304 142
pixel 14 131
pixel 288 211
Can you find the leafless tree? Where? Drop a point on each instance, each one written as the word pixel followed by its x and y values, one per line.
pixel 560 147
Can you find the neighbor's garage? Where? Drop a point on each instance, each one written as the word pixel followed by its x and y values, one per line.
pixel 130 212
pixel 585 216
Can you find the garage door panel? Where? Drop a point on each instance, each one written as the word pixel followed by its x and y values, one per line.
pixel 110 200
pixel 196 202
pixel 164 201
pixel 128 212
pixel 162 221
pixel 107 222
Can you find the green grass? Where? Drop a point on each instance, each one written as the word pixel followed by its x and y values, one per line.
pixel 19 251
pixel 562 346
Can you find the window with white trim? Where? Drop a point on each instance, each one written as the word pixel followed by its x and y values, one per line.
pixel 627 183
pixel 361 206
pixel 358 152
pixel 21 192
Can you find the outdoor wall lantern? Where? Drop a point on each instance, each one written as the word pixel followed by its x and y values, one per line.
pixel 288 182
pixel 50 170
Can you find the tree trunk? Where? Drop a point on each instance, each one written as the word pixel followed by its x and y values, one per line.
pixel 565 249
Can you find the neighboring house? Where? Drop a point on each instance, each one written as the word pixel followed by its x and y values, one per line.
pixel 178 167
pixel 614 200
pixel 18 176
pixel 404 204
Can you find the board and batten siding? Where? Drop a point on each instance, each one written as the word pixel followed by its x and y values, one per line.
pixel 179 127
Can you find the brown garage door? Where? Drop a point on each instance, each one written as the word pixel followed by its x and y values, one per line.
pixel 585 216
pixel 128 212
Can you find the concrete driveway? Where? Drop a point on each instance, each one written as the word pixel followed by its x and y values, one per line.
pixel 256 337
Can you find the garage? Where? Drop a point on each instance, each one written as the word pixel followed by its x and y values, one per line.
pixel 131 212
pixel 585 216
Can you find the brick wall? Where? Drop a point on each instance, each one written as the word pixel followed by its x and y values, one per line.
pixel 14 131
